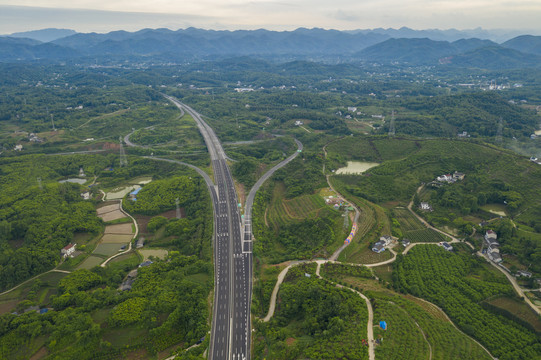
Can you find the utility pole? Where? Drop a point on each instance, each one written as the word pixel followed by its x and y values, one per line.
pixel 178 208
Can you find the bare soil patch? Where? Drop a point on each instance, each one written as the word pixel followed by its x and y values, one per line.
pixel 108 208
pixel 113 215
pixel 125 229
pixel 40 354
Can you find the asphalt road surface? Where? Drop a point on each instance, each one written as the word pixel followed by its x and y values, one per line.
pixel 231 326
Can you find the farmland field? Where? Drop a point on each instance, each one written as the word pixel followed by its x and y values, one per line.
pixel 407 220
pixel 403 339
pixel 116 238
pixel 518 309
pixel 90 262
pixel 119 229
pixel 156 253
pixel 283 211
pixel 108 249
pixel 425 235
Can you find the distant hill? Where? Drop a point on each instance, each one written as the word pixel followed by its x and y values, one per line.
pixel 197 42
pixel 14 49
pixel 525 43
pixel 314 45
pixel 414 51
pixel 495 58
pixel 419 51
pixel 44 35
pixel 444 35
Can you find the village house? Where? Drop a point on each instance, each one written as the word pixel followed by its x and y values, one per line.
pixel 524 273
pixel 68 250
pixel 378 247
pixel 405 242
pixel 495 256
pixel 458 175
pixel 447 246
pixel 425 206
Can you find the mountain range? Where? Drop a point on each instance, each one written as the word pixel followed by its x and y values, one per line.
pixel 306 44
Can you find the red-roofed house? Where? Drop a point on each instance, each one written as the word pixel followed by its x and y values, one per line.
pixel 68 250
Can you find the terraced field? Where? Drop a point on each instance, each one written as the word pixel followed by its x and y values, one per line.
pixel 284 211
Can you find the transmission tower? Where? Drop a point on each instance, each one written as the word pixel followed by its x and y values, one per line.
pixel 123 159
pixel 499 137
pixel 178 208
pixel 392 129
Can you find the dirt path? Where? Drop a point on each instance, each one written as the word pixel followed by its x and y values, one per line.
pixel 33 278
pixel 453 239
pixel 370 322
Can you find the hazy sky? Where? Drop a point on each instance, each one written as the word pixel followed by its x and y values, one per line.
pixel 107 15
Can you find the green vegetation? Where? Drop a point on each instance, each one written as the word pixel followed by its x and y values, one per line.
pixel 160 195
pixel 457 283
pixel 426 235
pixel 301 227
pixel 314 320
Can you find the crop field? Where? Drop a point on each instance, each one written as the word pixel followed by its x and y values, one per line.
pixel 353 148
pixel 119 229
pixel 518 309
pixel 444 278
pixel 393 149
pixel 108 208
pixel 112 215
pixel 284 211
pixel 90 262
pixel 156 253
pixel 115 238
pixel 425 235
pixel 403 339
pixel 108 249
pixel 445 340
pixel 407 220
pixel 363 255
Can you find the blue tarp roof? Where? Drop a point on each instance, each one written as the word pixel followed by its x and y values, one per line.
pixel 136 191
pixel 383 325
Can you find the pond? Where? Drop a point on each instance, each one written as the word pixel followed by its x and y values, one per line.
pixel 356 167
pixel 73 180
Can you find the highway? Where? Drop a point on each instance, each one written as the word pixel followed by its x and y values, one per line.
pixel 231 323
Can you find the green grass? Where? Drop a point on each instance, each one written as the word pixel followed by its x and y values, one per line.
pixel 200 278
pixel 90 262
pixel 108 249
pixel 120 337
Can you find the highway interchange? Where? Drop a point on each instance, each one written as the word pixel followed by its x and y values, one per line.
pixel 231 322
pixel 231 328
